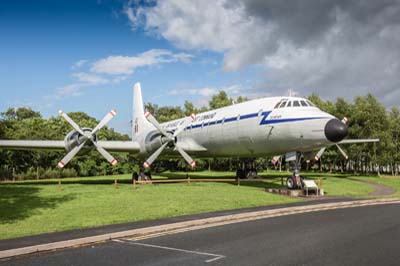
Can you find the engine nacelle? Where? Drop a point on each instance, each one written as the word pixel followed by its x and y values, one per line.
pixel 74 138
pixel 153 141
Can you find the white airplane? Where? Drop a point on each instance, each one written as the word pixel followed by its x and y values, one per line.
pixel 290 126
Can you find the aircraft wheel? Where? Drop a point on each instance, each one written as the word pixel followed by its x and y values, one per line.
pixel 240 174
pixel 135 176
pixel 148 174
pixel 290 183
pixel 251 174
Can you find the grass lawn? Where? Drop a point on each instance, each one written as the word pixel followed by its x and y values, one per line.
pixel 33 207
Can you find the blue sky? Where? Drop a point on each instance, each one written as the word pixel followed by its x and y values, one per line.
pixel 86 55
pixel 44 43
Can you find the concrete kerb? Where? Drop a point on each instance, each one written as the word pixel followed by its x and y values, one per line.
pixel 153 231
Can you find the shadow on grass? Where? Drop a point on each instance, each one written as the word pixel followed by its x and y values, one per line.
pixel 82 181
pixel 268 176
pixel 268 183
pixel 20 202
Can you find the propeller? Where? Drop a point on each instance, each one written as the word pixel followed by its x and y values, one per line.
pixel 170 138
pixel 319 154
pixel 87 136
pixel 342 152
pixel 321 151
pixel 275 159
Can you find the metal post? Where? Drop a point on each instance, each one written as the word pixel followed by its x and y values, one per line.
pixel 115 183
pixel 134 183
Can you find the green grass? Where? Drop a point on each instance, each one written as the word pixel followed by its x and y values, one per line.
pixel 34 207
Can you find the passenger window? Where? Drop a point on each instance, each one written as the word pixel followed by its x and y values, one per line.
pixel 282 104
pixel 289 104
pixel 303 103
pixel 296 104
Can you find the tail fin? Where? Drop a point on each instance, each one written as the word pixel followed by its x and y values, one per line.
pixel 139 121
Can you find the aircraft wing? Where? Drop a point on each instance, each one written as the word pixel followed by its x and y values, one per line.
pixel 32 144
pixel 117 146
pixel 120 146
pixel 352 141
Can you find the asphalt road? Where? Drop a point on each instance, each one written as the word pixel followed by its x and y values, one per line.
pixel 354 236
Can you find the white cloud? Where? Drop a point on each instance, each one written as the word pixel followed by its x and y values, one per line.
pixel 68 90
pixel 119 79
pixel 90 78
pixel 79 64
pixel 201 92
pixel 207 92
pixel 118 67
pixel 337 48
pixel 126 65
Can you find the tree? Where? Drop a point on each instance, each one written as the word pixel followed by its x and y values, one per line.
pixel 394 129
pixel 220 100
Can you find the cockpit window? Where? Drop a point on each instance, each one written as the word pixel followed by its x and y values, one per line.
pixel 293 103
pixel 311 104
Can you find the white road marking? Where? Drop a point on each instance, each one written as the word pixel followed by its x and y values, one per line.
pixel 215 256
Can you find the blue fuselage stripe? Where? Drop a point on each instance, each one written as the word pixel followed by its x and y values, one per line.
pixel 264 120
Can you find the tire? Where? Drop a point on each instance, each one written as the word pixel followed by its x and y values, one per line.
pixel 135 176
pixel 290 183
pixel 251 174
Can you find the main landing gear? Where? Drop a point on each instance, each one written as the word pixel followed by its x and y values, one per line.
pixel 295 181
pixel 142 175
pixel 246 169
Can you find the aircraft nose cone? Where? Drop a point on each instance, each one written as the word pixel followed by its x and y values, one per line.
pixel 335 130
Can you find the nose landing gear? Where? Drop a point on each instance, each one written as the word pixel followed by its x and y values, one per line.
pixel 295 181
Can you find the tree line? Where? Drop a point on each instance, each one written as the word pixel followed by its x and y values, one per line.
pixel 368 118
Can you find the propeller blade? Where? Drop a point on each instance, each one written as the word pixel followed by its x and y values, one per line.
pixel 154 156
pixel 71 122
pixel 186 156
pixel 185 123
pixel 319 154
pixel 155 123
pixel 342 152
pixel 105 154
pixel 275 159
pixel 105 120
pixel 70 155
